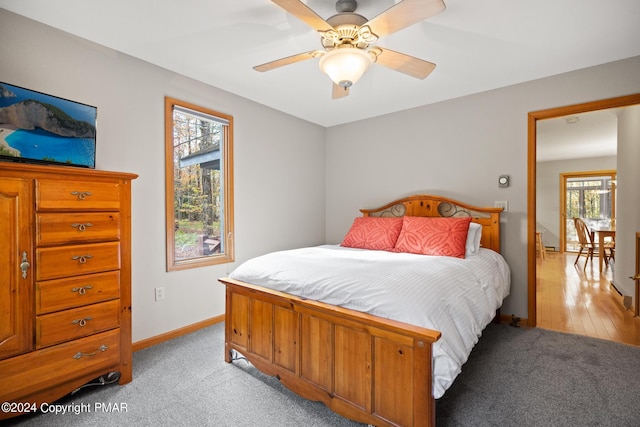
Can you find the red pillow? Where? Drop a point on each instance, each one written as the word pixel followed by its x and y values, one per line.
pixel 369 232
pixel 434 236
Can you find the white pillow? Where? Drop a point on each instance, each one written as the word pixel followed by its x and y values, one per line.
pixel 473 239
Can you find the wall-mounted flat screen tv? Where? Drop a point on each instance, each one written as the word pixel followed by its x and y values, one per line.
pixel 40 128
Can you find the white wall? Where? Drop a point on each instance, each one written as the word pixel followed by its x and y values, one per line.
pixel 458 148
pixel 279 161
pixel 548 191
pixel 628 213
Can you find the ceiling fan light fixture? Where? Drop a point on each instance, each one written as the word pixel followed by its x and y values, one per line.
pixel 345 65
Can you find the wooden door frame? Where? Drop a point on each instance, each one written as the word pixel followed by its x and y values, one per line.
pixel 533 117
pixel 563 198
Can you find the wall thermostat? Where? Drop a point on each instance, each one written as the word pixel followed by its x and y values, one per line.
pixel 503 181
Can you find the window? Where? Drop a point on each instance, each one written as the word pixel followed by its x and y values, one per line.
pixel 199 186
pixel 590 196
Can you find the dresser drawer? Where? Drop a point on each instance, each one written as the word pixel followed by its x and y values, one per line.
pixel 77 195
pixel 22 375
pixel 61 294
pixel 65 261
pixel 56 328
pixel 62 228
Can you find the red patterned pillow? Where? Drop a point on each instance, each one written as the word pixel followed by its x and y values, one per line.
pixel 368 232
pixel 433 236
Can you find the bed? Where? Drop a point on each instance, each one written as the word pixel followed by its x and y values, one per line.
pixel 376 361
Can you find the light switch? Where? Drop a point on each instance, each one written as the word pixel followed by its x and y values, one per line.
pixel 502 204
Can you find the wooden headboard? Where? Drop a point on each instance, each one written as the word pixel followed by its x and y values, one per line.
pixel 426 205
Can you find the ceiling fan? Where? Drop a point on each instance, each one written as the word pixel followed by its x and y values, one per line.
pixel 348 39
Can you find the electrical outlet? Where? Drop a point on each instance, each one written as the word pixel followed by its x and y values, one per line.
pixel 159 294
pixel 502 204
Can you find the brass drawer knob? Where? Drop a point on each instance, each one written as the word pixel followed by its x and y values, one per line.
pixel 82 290
pixel 81 194
pixel 81 227
pixel 81 322
pixel 81 258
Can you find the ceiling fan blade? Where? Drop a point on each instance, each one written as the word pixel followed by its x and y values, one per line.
pixel 339 91
pixel 285 61
pixel 403 14
pixel 304 13
pixel 410 65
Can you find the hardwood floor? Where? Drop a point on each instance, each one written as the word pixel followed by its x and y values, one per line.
pixel 570 299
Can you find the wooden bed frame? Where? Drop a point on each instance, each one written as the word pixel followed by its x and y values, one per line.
pixel 363 367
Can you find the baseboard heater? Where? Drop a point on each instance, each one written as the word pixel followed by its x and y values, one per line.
pixel 626 299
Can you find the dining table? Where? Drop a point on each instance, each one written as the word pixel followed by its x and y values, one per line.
pixel 603 231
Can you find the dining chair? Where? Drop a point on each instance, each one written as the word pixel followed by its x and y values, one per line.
pixel 609 251
pixel 585 239
pixel 539 245
pixel 610 246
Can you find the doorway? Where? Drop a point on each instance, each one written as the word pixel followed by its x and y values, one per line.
pixel 532 170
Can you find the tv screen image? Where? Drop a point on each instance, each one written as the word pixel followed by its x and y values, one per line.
pixel 40 128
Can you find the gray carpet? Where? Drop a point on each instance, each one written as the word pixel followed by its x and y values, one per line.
pixel 523 377
pixel 535 377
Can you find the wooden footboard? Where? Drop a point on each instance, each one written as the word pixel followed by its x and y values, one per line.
pixel 363 367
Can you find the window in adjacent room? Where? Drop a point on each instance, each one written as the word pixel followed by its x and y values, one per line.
pixel 590 196
pixel 199 185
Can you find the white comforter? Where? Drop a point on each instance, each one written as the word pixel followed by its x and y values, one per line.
pixel 457 297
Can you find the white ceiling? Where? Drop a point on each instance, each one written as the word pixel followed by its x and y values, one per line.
pixel 477 46
pixel 592 134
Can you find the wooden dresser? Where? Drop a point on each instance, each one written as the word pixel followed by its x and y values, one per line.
pixel 65 281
